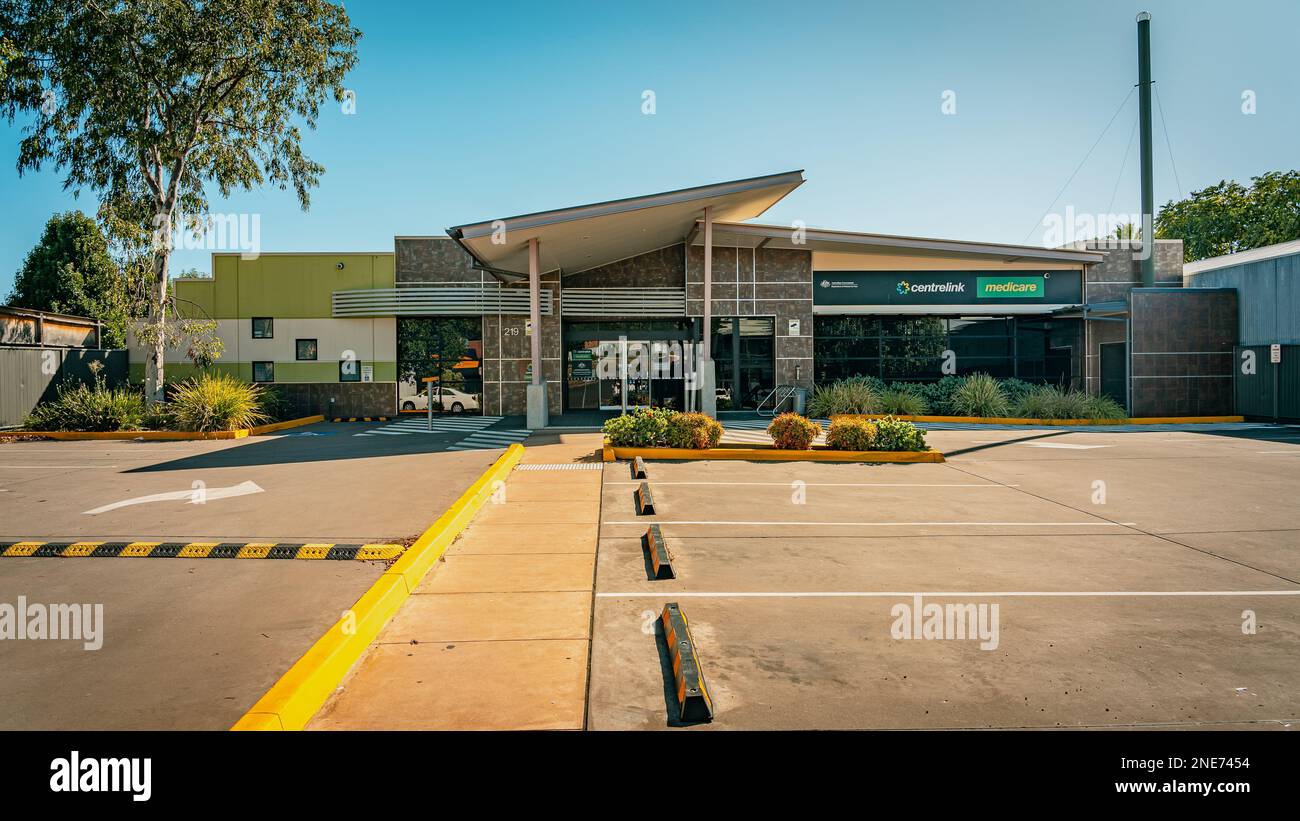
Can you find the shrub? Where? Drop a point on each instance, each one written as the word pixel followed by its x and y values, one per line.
pixel 1103 407
pixel 790 431
pixel 1068 404
pixel 1015 389
pixel 937 395
pixel 902 402
pixel 848 433
pixel 216 401
pixel 857 394
pixel 692 430
pixel 83 407
pixel 895 434
pixel 643 428
pixel 158 416
pixel 979 395
pixel 1047 402
pixel 1040 403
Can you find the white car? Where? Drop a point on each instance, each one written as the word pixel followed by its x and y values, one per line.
pixel 448 399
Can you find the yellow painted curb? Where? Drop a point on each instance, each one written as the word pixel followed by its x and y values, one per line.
pixel 300 692
pixel 1009 420
pixel 775 455
pixel 259 430
pixel 164 435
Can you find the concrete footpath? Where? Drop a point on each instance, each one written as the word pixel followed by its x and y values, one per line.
pixel 498 635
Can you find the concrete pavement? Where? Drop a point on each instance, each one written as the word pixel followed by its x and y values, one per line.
pixel 497 636
pixel 1141 580
pixel 193 643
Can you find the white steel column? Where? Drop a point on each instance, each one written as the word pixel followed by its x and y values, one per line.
pixel 708 378
pixel 538 411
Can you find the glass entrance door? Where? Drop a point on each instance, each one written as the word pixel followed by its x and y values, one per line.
pixel 623 376
pixel 635 373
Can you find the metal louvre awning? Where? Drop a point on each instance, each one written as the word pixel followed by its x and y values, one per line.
pixel 468 299
pixel 636 302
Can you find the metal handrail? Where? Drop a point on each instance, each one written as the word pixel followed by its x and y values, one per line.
pixel 782 394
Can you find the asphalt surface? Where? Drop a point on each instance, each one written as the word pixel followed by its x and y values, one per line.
pixel 193 643
pixel 1122 565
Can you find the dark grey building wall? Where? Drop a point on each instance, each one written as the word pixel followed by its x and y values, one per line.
pixel 345 399
pixel 29 376
pixel 1110 281
pixel 1268 298
pixel 662 268
pixel 1182 351
pixel 506 347
pixel 761 282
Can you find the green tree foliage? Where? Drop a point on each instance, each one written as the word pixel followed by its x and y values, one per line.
pixel 70 271
pixel 154 100
pixel 1228 217
pixel 7 53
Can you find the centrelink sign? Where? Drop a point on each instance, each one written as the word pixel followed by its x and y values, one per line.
pixel 866 288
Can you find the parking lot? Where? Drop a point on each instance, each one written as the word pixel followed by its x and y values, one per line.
pixel 1140 579
pixel 191 643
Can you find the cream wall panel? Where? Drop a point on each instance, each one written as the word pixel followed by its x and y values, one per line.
pixel 372 340
pixel 828 261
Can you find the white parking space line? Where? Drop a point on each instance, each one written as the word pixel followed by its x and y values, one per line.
pixel 650 521
pixel 810 484
pixel 55 467
pixel 968 594
pixel 1062 445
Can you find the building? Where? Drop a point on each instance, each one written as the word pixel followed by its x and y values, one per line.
pixel 604 307
pixel 42 351
pixel 1265 284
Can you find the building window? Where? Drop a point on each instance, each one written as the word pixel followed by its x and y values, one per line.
pixel 263 327
pixel 744 360
pixel 263 371
pixel 349 370
pixel 911 349
pixel 306 349
pixel 446 351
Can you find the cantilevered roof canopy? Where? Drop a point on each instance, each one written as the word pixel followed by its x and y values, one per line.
pixel 819 239
pixel 587 236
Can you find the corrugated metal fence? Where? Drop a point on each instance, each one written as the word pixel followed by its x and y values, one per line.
pixel 32 375
pixel 1271 391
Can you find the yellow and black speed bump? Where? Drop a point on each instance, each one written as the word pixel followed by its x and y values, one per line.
pixel 202 550
pixel 645 500
pixel 360 419
pixel 693 699
pixel 638 468
pixel 661 561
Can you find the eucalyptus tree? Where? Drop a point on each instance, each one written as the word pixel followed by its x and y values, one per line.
pixel 150 103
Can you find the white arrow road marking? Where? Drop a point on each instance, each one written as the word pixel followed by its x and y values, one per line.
pixel 1063 445
pixel 208 494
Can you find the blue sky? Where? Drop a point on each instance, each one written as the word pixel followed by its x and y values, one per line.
pixel 472 111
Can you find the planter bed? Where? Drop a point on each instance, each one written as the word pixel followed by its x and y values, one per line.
pixel 1009 420
pixel 162 435
pixel 768 453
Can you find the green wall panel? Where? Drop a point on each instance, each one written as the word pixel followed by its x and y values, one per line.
pixel 292 286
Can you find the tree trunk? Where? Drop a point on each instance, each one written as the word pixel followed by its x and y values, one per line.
pixel 157 324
